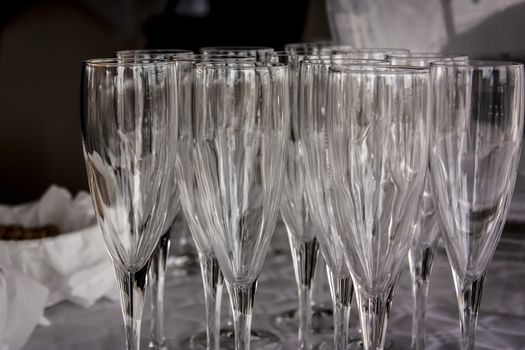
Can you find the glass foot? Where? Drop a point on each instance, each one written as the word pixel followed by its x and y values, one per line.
pixel 322 320
pixel 259 339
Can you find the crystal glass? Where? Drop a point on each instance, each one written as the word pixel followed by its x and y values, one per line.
pixel 312 98
pixel 212 278
pixel 377 137
pixel 157 271
pixel 297 217
pixel 233 152
pixel 477 121
pixel 302 240
pixel 302 232
pixel 128 121
pixel 425 233
pixel 261 53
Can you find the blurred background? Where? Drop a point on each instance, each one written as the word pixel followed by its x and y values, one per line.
pixel 42 44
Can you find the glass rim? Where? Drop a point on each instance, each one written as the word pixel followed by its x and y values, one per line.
pixel 356 61
pixel 476 64
pixel 236 48
pixel 203 58
pixel 224 65
pixel 241 65
pixel 425 55
pixel 379 70
pixel 382 49
pixel 153 51
pixel 385 50
pixel 325 56
pixel 126 62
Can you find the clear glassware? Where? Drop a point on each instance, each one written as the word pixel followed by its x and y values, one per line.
pixel 377 142
pixel 128 121
pixel 425 234
pixel 304 246
pixel 302 232
pixel 296 215
pixel 477 113
pixel 157 271
pixel 261 53
pixel 312 108
pixel 214 335
pixel 233 155
pixel 304 253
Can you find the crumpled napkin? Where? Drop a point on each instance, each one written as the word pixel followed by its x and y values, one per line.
pixel 22 303
pixel 72 266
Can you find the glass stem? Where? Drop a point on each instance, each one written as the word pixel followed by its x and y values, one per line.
pixel 242 298
pixel 469 296
pixel 305 317
pixel 374 311
pixel 132 287
pixel 157 273
pixel 304 256
pixel 420 260
pixel 212 281
pixel 341 289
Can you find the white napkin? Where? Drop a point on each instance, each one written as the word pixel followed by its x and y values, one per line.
pixel 72 266
pixel 22 303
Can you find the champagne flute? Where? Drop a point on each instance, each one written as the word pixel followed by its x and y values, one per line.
pixel 214 335
pixel 313 85
pixel 377 137
pixel 477 121
pixel 302 232
pixel 234 150
pixel 157 271
pixel 304 246
pixel 128 121
pixel 425 233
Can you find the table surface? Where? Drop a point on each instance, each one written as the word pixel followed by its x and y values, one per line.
pixel 501 323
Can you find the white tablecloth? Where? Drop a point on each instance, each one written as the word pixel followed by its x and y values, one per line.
pixel 501 323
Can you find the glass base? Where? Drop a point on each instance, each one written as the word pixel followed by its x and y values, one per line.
pixel 259 339
pixel 322 320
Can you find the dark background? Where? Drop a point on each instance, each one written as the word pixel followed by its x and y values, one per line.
pixel 42 44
